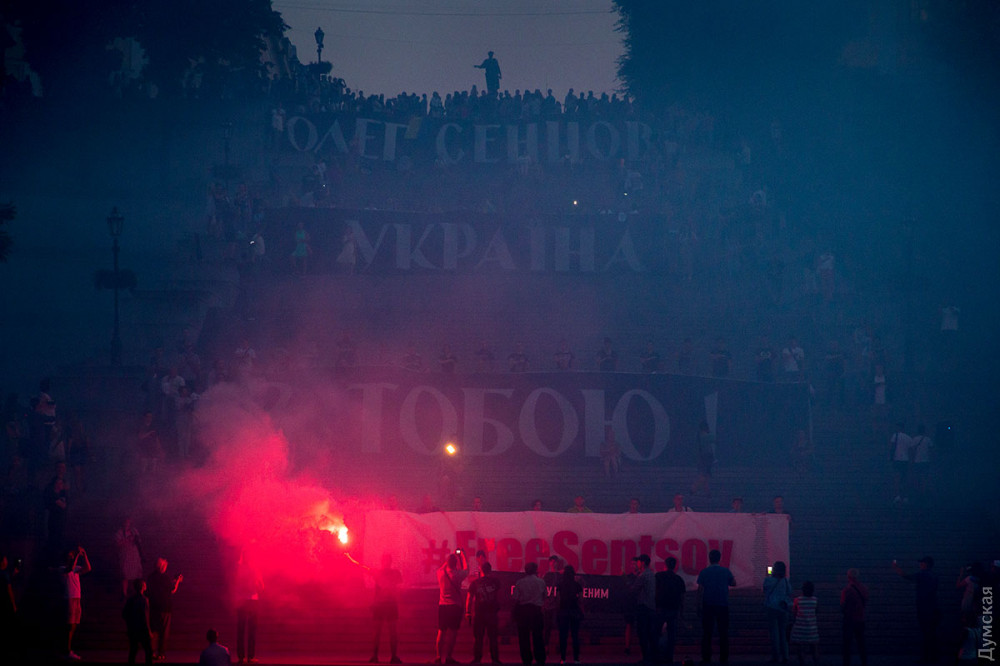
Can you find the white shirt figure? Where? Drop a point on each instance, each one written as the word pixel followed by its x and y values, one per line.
pixel 792 357
pixel 902 444
pixel 922 447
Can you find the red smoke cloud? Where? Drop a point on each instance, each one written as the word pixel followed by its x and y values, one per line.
pixel 252 499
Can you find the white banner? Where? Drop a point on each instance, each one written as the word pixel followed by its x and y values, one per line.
pixel 594 543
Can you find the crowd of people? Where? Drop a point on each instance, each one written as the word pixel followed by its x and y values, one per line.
pixel 549 599
pixel 310 91
pixel 839 376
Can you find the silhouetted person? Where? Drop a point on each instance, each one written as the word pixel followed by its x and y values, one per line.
pixel 853 599
pixel 385 610
pixel 926 583
pixel 129 546
pixel 579 506
pixel 214 654
pixel 161 588
pixel 714 582
pixel 606 357
pixel 670 589
pixel 645 616
pixel 482 608
pixel 650 359
pixel 450 605
pixel 901 456
pixel 491 68
pixel 777 603
pixel 249 586
pixel 528 596
pixel 550 607
pixel 564 357
pixel 570 613
pixel 517 361
pixel 136 614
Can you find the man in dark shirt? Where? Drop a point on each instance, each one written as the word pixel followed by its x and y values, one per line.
pixel 136 614
pixel 564 356
pixel 630 602
pixel 482 607
pixel 214 654
pixel 853 599
pixel 669 607
pixel 645 616
pixel 714 582
pixel 517 361
pixel 607 357
pixel 926 582
pixel 650 359
pixel 550 608
pixel 161 590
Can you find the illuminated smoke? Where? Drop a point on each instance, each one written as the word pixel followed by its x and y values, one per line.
pixel 289 524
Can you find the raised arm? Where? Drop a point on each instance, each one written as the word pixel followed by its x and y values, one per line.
pixel 85 567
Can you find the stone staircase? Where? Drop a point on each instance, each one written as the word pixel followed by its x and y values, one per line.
pixel 841 507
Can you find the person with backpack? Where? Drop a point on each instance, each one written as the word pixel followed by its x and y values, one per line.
pixel 777 603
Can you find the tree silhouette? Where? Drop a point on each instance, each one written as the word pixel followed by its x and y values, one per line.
pixel 725 53
pixel 66 42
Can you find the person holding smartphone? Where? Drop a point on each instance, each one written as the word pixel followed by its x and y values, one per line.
pixel 450 605
pixel 76 565
pixel 777 603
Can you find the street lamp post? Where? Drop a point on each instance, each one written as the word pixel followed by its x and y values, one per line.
pixel 116 221
pixel 319 34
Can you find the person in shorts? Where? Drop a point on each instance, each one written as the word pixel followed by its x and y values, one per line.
pixel 450 605
pixel 76 565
